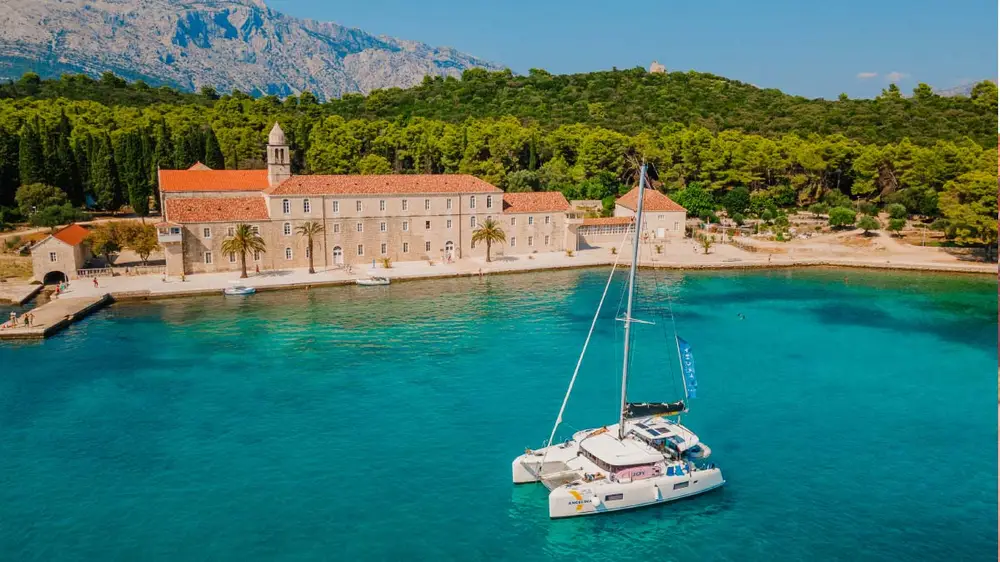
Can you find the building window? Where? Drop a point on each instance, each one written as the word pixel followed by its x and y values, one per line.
pixel 175 230
pixel 206 232
pixel 306 207
pixel 256 230
pixel 427 225
pixel 447 224
pixel 513 241
pixel 287 229
pixel 513 221
pixel 472 222
pixel 406 247
pixel 52 257
pixel 231 231
pixel 336 206
pixel 308 252
pixel 489 201
pixel 531 220
pixel 384 248
pixel 427 246
pixel 548 219
pixel 676 225
pixel 382 226
pixel 361 249
pixel 406 226
pixel 358 206
pixel 361 227
pixel 472 201
pixel 546 240
pixel 447 204
pixel 256 255
pixel 286 206
pixel 336 228
pixel 288 253
pixel 208 257
pixel 381 205
pixel 232 257
pixel 427 204
pixel 531 241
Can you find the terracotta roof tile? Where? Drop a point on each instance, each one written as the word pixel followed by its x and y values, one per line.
pixel 537 202
pixel 652 201
pixel 606 221
pixel 383 184
pixel 196 179
pixel 216 209
pixel 72 234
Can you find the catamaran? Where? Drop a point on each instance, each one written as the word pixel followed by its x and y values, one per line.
pixel 647 458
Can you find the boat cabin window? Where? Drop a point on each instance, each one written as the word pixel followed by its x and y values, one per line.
pixel 680 485
pixel 614 497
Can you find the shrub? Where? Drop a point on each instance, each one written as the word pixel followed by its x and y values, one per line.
pixel 767 215
pixel 696 200
pixel 842 216
pixel 836 199
pixel 868 208
pixel 386 262
pixel 868 222
pixel 897 211
pixel 897 225
pixel 659 249
pixel 739 219
pixel 781 221
pixel 818 209
pixel 736 201
pixel 569 253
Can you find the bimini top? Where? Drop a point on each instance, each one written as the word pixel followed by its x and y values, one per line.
pixel 629 452
pixel 656 428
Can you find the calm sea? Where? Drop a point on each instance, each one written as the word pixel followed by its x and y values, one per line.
pixel 852 414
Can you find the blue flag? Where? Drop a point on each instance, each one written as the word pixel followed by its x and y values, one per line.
pixel 687 366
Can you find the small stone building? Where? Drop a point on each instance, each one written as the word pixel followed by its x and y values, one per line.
pixel 662 219
pixel 58 257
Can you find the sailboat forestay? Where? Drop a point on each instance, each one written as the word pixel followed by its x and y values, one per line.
pixel 646 458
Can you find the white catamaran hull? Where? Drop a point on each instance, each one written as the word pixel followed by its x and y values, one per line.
pixel 573 500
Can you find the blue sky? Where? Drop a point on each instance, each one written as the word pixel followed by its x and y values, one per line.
pixel 810 48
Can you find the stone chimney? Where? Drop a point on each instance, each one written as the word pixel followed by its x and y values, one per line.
pixel 279 163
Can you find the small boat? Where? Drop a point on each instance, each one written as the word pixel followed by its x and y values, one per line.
pixel 372 281
pixel 648 457
pixel 239 291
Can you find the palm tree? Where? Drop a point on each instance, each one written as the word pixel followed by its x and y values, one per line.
pixel 489 232
pixel 309 230
pixel 244 240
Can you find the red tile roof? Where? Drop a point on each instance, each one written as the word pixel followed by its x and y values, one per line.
pixel 216 209
pixel 652 201
pixel 72 234
pixel 540 202
pixel 198 166
pixel 383 185
pixel 604 221
pixel 197 179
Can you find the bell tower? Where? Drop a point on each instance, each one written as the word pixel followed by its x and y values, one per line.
pixel 279 161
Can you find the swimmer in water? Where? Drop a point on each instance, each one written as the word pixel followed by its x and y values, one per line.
pixel 740 316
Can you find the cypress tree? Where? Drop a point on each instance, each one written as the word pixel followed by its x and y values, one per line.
pixel 133 170
pixel 213 154
pixel 82 154
pixel 9 178
pixel 104 180
pixel 61 162
pixel 163 155
pixel 188 148
pixel 31 156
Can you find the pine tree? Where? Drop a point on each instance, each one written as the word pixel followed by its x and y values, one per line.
pixel 9 179
pixel 104 179
pixel 213 154
pixel 31 155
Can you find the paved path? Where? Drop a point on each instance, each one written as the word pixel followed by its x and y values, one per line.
pixel 53 316
pixel 17 293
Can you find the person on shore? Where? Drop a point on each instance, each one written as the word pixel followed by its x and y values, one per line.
pixel 31 318
pixel 13 320
pixel 96 284
pixel 256 269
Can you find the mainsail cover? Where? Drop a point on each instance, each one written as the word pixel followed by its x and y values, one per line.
pixel 642 409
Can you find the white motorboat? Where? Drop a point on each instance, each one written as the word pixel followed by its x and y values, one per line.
pixel 239 290
pixel 372 281
pixel 647 458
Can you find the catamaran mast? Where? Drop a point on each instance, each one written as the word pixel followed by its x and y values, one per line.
pixel 631 291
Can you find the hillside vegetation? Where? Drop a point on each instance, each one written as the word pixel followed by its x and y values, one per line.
pixel 712 142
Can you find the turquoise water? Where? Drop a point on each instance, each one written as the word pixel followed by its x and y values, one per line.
pixel 854 420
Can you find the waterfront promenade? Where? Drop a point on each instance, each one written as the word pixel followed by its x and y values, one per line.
pixel 676 255
pixel 54 316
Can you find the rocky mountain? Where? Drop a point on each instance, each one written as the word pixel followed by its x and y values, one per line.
pixel 228 44
pixel 960 90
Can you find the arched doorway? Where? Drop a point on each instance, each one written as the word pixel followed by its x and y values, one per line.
pixel 338 255
pixel 449 250
pixel 54 278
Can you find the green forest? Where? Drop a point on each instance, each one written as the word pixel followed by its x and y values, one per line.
pixel 709 141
